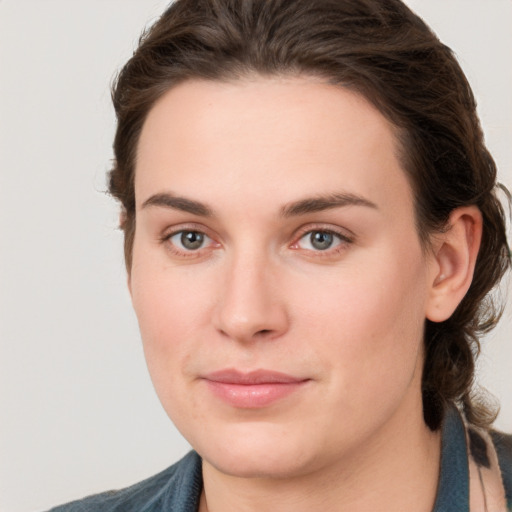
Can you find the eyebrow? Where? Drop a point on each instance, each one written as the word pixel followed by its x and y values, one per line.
pixel 324 202
pixel 183 204
pixel 296 208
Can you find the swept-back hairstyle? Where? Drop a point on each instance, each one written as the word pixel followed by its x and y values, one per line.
pixel 383 51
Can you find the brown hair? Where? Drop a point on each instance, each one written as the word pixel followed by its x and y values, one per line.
pixel 382 50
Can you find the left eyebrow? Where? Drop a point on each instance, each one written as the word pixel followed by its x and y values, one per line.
pixel 324 202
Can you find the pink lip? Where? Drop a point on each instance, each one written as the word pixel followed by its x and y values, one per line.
pixel 252 390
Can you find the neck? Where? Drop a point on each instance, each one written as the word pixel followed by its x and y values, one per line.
pixel 397 469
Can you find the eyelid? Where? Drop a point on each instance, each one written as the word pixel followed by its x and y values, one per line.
pixel 344 233
pixel 190 227
pixel 186 226
pixel 345 236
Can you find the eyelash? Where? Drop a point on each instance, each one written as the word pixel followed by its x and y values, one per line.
pixel 343 241
pixel 184 253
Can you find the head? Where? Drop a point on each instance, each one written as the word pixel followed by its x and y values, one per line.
pixel 382 53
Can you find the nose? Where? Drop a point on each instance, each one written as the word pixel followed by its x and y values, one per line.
pixel 251 303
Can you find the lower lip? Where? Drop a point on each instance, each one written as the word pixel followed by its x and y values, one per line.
pixel 253 396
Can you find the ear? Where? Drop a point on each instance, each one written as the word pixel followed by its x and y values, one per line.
pixel 129 283
pixel 122 222
pixel 454 254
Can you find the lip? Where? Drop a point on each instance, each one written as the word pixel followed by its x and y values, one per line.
pixel 252 390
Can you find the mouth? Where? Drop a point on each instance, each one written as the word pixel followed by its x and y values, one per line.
pixel 252 390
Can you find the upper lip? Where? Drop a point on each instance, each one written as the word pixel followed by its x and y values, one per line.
pixel 232 376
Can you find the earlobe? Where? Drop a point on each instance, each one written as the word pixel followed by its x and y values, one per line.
pixel 455 255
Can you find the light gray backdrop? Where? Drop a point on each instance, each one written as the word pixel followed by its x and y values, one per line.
pixel 78 412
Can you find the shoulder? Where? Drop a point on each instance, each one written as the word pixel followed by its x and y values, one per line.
pixel 177 489
pixel 503 444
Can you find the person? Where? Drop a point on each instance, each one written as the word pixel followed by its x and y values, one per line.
pixel 312 234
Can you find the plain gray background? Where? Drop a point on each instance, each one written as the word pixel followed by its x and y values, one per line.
pixel 78 412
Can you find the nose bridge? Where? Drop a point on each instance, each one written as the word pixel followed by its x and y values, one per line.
pixel 251 304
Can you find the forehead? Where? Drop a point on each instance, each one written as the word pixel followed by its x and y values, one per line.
pixel 297 135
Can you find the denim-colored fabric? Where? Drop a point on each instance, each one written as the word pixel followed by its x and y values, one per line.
pixel 178 488
pixel 453 487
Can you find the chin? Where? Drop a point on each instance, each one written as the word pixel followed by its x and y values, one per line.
pixel 257 464
pixel 263 451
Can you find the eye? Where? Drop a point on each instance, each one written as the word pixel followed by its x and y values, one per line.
pixel 189 240
pixel 321 240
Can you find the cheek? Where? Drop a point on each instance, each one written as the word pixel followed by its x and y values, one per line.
pixel 165 312
pixel 369 326
pixel 166 321
pixel 171 309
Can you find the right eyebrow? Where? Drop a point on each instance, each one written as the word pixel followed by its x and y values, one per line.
pixel 183 204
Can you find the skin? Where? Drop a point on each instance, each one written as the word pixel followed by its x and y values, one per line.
pixel 258 294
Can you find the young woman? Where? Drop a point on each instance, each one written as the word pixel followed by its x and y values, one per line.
pixel 311 233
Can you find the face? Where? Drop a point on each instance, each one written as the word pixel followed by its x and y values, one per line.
pixel 278 278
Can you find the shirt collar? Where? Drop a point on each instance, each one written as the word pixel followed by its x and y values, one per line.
pixel 453 487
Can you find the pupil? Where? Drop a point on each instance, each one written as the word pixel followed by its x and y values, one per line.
pixel 192 239
pixel 321 240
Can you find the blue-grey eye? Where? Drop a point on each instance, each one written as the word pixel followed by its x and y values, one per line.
pixel 319 240
pixel 189 240
pixel 192 240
